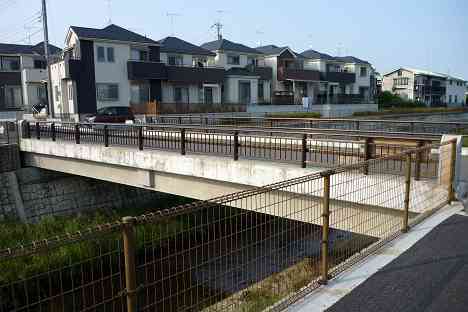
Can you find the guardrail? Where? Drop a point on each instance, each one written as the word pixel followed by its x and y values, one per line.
pixel 305 148
pixel 257 248
pixel 422 127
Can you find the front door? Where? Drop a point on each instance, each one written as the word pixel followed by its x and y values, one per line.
pixel 208 95
pixel 244 92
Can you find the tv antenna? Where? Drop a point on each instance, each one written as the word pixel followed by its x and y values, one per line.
pixel 172 17
pixel 218 25
pixel 339 49
pixel 259 34
pixel 109 12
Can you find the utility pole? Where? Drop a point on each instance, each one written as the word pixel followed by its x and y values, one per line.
pixel 46 54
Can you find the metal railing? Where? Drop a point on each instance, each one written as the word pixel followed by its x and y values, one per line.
pixel 8 132
pixel 422 127
pixel 326 148
pixel 260 248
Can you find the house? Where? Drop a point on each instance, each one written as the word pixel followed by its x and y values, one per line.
pixel 430 88
pixel 247 79
pixel 105 67
pixel 322 78
pixel 23 76
pixel 193 78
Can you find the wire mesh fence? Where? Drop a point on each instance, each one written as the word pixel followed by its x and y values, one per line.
pixel 245 251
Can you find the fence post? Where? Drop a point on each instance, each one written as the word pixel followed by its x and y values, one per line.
pixel 52 131
pixel 367 154
pixel 417 168
pixel 182 142
pixel 38 131
pixel 407 193
pixel 106 136
pixel 453 159
pixel 236 145
pixel 140 138
pixel 77 133
pixel 325 227
pixel 129 241
pixel 304 151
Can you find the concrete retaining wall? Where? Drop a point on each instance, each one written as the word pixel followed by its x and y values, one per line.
pixel 30 194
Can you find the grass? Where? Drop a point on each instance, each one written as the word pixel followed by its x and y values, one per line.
pixel 418 110
pixel 294 115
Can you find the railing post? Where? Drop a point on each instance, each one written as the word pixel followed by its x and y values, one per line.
pixel 417 168
pixel 236 145
pixel 28 130
pixel 106 136
pixel 129 242
pixel 180 120
pixel 140 138
pixel 52 132
pixel 407 193
pixel 182 142
pixel 77 133
pixel 38 131
pixel 453 159
pixel 325 227
pixel 304 151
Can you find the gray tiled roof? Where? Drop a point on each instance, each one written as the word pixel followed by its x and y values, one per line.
pixel 111 32
pixel 275 50
pixel 176 45
pixel 351 59
pixel 227 45
pixel 312 54
pixel 6 48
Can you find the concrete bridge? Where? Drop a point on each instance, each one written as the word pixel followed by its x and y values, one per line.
pixel 148 159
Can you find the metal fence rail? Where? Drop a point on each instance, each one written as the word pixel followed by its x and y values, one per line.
pixel 304 148
pixel 240 252
pixel 313 123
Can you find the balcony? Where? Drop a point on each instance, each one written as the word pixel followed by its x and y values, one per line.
pixel 34 75
pixel 10 78
pixel 297 73
pixel 143 70
pixel 340 77
pixel 189 74
pixel 265 73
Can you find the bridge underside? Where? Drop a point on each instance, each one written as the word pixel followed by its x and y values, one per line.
pixel 372 212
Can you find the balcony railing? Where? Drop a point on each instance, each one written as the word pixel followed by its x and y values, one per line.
pixel 146 70
pixel 190 74
pixel 341 77
pixel 298 73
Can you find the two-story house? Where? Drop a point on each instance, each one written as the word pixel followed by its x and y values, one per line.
pixel 192 75
pixel 456 88
pixel 247 80
pixel 106 67
pixel 418 85
pixel 23 76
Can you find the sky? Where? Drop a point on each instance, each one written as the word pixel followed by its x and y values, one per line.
pixel 425 34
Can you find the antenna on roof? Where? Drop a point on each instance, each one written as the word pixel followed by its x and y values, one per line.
pixel 109 12
pixel 218 26
pixel 259 34
pixel 339 49
pixel 172 17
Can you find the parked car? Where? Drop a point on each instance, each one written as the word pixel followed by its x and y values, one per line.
pixel 112 114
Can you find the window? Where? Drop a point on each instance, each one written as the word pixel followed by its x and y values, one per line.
pixel 260 90
pixel 101 54
pixel 252 61
pixel 57 94
pixel 450 99
pixel 139 55
pixel 180 95
pixel 140 93
pixel 40 64
pixel 175 60
pixel 41 92
pixel 233 59
pixel 208 95
pixel 400 73
pixel 9 63
pixel 450 82
pixel 401 81
pixel 107 91
pixel 110 55
pixel 11 96
pixel 363 71
pixel 70 92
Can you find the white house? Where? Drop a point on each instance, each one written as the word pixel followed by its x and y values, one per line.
pixel 456 89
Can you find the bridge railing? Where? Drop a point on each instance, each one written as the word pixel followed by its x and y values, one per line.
pixel 379 125
pixel 252 249
pixel 306 148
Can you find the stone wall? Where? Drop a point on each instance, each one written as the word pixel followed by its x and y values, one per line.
pixel 31 194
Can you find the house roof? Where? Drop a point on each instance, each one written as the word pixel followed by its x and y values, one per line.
pixel 176 45
pixel 227 45
pixel 273 50
pixel 312 54
pixel 111 32
pixel 418 72
pixel 351 59
pixel 38 49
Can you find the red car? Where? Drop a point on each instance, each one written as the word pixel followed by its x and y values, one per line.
pixel 113 114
